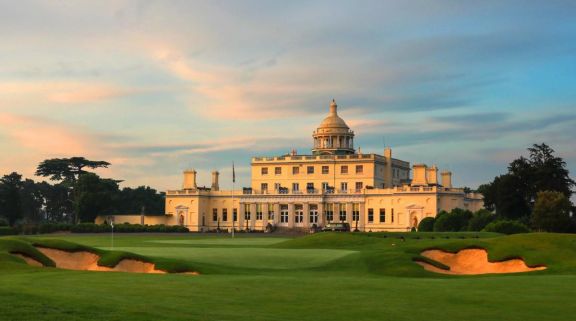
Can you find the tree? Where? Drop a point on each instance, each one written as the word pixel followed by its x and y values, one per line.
pixel 94 196
pixel 32 201
pixel 552 212
pixel 426 224
pixel 480 219
pixel 10 197
pixel 58 206
pixel 59 169
pixel 138 200
pixel 512 195
pixel 456 220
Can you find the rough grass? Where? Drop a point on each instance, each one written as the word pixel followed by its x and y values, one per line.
pixel 328 276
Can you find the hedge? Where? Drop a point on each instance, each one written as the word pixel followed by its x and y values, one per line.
pixel 506 227
pixel 127 228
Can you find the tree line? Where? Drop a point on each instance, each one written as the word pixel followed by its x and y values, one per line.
pixel 534 195
pixel 73 195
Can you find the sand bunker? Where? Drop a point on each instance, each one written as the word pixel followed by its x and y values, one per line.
pixel 87 261
pixel 473 261
pixel 28 260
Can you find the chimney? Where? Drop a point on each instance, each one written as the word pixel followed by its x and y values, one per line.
pixel 215 186
pixel 432 175
pixel 388 167
pixel 189 179
pixel 446 179
pixel 420 177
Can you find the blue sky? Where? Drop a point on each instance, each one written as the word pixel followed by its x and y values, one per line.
pixel 158 86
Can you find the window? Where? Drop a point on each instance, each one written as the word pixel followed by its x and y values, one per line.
pixel 225 214
pixel 310 187
pixel 277 170
pixel 344 169
pixel 355 212
pixel 392 216
pixel 342 212
pixel 325 170
pixel 310 169
pixel 258 212
pixel 298 213
pixel 359 186
pixel 214 214
pixel 382 215
pixel 264 187
pixel 271 212
pixel 264 171
pixel 344 186
pixel 295 170
pixel 283 213
pixel 325 186
pixel 359 169
pixel 247 211
pixel 235 214
pixel 277 186
pixel 295 187
pixel 329 212
pixel 370 215
pixel 313 213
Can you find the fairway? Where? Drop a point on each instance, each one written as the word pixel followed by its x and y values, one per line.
pixel 328 276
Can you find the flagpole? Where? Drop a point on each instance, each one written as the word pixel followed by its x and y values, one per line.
pixel 233 187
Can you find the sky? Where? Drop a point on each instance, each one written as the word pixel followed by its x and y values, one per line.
pixel 156 87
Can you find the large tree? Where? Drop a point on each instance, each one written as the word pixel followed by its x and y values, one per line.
pixel 69 171
pixel 59 169
pixel 512 195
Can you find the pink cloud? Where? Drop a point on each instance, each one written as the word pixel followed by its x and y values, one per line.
pixel 60 92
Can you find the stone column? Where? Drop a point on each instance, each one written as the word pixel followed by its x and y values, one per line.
pixel 241 213
pixel 306 209
pixel 321 217
pixel 252 223
pixel 291 215
pixel 362 221
pixel 265 207
pixel 276 213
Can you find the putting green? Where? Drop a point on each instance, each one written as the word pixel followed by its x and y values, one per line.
pixel 254 258
pixel 256 241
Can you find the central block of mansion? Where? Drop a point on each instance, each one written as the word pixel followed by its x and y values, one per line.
pixel 336 183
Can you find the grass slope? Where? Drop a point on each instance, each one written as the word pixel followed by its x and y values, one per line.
pixel 328 276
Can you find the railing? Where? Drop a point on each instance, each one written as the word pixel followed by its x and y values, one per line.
pixel 316 157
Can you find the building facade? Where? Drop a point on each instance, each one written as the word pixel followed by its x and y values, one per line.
pixel 335 183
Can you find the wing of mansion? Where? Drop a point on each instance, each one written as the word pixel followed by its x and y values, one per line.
pixel 335 183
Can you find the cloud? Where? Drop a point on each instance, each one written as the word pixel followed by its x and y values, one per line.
pixel 60 92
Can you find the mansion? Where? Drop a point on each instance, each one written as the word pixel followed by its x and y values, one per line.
pixel 335 183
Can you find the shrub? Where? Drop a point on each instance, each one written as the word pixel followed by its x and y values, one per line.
pixel 6 230
pixel 480 219
pixel 506 227
pixel 426 225
pixel 455 221
pixel 3 221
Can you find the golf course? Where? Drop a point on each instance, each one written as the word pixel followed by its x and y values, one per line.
pixel 324 276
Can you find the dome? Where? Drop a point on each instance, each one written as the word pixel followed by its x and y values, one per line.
pixel 333 136
pixel 333 120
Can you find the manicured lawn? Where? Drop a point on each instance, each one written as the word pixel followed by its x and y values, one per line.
pixel 320 277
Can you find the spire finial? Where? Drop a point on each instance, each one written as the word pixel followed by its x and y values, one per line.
pixel 333 107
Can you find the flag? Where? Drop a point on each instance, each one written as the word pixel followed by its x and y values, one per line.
pixel 233 174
